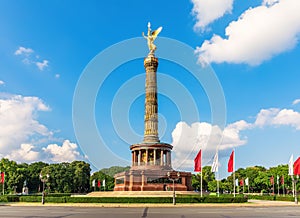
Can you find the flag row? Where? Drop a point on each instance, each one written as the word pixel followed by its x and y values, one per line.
pixel 294 167
pixel 98 183
pixel 215 164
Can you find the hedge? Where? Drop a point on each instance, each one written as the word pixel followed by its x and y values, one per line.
pixel 3 198
pixel 127 200
pixel 272 197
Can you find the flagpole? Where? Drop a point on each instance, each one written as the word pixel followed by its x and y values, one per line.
pixel 293 185
pixel 277 184
pixel 218 189
pixel 201 176
pixel 201 185
pixel 248 186
pixel 283 186
pixel 3 187
pixel 234 172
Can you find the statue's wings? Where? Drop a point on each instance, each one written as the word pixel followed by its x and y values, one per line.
pixel 156 32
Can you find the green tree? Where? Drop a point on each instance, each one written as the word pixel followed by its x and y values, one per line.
pixel 81 179
pixel 207 176
pixel 32 177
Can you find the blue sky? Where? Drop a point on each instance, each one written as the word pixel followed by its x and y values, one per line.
pixel 48 47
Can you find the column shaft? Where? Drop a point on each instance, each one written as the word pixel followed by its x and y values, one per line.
pixel 147 157
pixel 139 158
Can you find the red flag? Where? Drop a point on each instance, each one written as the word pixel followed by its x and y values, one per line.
pixel 282 180
pixel 272 180
pixel 2 177
pixel 230 162
pixel 197 161
pixel 297 167
pixel 99 184
pixel 241 182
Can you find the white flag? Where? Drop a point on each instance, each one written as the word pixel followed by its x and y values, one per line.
pixel 277 180
pixel 247 181
pixel 236 182
pixel 103 182
pixel 94 183
pixel 291 166
pixel 214 167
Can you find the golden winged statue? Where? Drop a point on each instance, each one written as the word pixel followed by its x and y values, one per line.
pixel 151 37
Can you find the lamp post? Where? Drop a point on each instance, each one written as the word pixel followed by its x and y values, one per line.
pixel 43 180
pixel 173 180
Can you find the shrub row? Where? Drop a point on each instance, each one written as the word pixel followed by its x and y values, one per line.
pixel 272 197
pixel 211 199
pixel 127 200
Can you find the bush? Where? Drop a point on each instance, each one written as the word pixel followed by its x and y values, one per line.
pixel 127 200
pixel 211 199
pixel 59 194
pixel 272 197
pixel 13 198
pixel 3 198
pixel 31 198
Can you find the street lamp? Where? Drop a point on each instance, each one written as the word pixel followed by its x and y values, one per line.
pixel 173 180
pixel 44 179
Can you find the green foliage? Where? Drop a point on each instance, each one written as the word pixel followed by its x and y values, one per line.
pixel 207 176
pixel 106 174
pixel 63 177
pixel 272 197
pixel 130 200
pixel 114 170
pixel 211 199
pixel 259 180
pixel 3 199
pixel 13 198
pixel 30 198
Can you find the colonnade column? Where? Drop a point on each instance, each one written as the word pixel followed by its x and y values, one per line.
pixel 154 156
pixel 139 158
pixel 169 158
pixel 132 158
pixel 147 154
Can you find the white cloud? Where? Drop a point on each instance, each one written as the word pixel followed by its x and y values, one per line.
pixel 265 117
pixel 65 153
pixel 29 59
pixel 42 65
pixel 18 121
pixel 23 51
pixel 207 12
pixel 24 154
pixel 259 34
pixel 297 101
pixel 2 82
pixel 277 117
pixel 187 141
pixel 57 76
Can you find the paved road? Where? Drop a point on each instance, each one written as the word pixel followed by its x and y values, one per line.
pixel 86 212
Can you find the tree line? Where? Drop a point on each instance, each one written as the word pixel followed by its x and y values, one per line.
pixel 260 180
pixel 62 177
pixel 74 177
